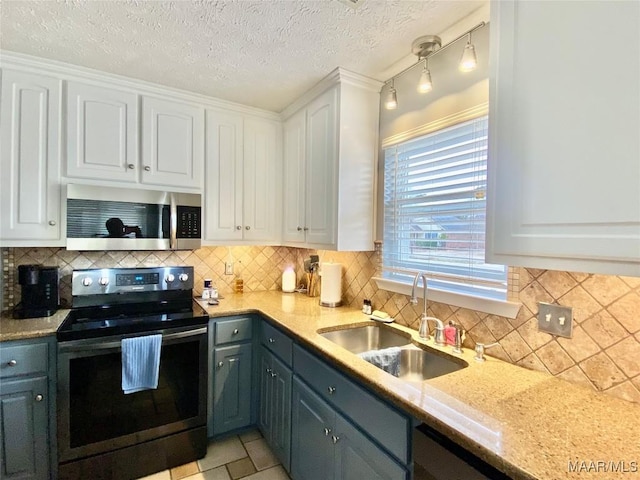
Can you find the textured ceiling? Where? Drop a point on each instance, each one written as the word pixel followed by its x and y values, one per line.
pixel 263 53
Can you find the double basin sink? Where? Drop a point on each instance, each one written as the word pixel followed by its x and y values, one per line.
pixel 415 364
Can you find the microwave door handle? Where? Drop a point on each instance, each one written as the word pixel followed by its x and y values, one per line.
pixel 173 222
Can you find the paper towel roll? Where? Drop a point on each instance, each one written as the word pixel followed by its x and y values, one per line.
pixel 331 285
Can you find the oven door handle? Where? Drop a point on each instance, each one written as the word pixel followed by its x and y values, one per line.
pixel 95 344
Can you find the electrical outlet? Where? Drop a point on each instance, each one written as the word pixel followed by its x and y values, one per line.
pixel 555 319
pixel 228 268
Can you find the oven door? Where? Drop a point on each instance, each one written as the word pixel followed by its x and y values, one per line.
pixel 94 414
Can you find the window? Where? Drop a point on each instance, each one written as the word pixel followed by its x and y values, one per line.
pixel 434 211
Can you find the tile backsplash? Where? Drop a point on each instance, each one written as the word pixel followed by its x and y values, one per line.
pixel 604 353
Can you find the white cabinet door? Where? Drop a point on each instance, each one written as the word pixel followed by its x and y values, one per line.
pixel 261 181
pixel 564 155
pixel 172 143
pixel 102 133
pixel 294 178
pixel 30 163
pixel 321 178
pixel 223 190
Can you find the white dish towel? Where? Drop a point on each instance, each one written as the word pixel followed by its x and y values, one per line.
pixel 388 359
pixel 140 363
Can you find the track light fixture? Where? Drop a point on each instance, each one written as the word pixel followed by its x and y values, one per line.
pixel 468 61
pixel 425 47
pixel 391 102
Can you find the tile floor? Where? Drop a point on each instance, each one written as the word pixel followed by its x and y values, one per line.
pixel 245 456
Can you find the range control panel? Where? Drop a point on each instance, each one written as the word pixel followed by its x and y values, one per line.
pixel 101 281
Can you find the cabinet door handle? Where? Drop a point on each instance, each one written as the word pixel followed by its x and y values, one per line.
pixel 12 363
pixel 306 229
pixel 247 227
pixel 52 223
pixel 274 374
pixel 331 390
pixel 236 331
pixel 39 398
pixel 327 431
pixel 334 439
pixel 147 168
pixel 268 370
pixel 271 340
pixel 131 166
pixel 220 364
pixel 299 229
pixel 238 227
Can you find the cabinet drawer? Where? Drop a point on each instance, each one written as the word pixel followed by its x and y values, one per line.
pixel 235 330
pixel 276 341
pixel 389 427
pixel 23 359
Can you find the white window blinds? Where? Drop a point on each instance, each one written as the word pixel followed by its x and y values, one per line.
pixel 434 211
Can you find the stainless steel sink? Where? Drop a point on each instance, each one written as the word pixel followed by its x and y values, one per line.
pixel 363 339
pixel 416 364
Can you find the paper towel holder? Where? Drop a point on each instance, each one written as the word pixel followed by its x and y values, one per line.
pixel 332 302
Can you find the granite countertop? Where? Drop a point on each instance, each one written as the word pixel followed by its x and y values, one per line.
pixel 528 424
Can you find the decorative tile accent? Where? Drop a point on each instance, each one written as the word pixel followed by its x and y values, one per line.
pixel 606 309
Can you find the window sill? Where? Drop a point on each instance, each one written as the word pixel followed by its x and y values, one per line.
pixel 502 308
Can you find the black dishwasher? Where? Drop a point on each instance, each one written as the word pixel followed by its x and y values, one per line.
pixel 436 457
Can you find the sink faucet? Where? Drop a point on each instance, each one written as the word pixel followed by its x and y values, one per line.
pixel 423 331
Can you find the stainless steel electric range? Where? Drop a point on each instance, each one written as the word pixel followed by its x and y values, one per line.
pixel 104 433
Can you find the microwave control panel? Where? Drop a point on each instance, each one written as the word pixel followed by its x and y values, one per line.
pixel 189 222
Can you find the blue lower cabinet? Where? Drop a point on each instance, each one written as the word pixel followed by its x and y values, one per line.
pixel 312 451
pixel 325 445
pixel 274 415
pixel 232 388
pixel 24 449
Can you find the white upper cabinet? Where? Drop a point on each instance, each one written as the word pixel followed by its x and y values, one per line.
pixel 243 170
pixel 172 143
pixel 564 154
pixel 330 151
pixel 103 143
pixel 30 163
pixel 102 133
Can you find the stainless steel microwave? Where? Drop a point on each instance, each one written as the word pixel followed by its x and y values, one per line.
pixel 107 218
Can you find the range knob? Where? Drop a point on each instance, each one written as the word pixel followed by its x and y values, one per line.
pixel 183 277
pixel 87 281
pixel 104 281
pixel 170 278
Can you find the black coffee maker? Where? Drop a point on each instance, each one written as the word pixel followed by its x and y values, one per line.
pixel 40 293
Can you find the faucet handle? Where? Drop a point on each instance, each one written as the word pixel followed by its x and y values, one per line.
pixel 413 301
pixel 459 338
pixel 480 348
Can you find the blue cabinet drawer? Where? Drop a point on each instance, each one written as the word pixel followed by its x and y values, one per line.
pixel 390 428
pixel 233 330
pixel 277 341
pixel 23 359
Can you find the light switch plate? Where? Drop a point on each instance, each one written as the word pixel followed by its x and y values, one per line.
pixel 555 319
pixel 228 268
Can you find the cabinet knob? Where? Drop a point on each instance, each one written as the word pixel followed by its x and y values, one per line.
pixel 299 229
pixel 39 398
pixel 331 390
pixel 220 364
pixel 52 223
pixel 12 363
pixel 271 340
pixel 247 227
pixel 335 439
pixel 236 331
pixel 274 374
pixel 306 229
pixel 268 370
pixel 238 227
pixel 131 166
pixel 327 431
pixel 147 168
